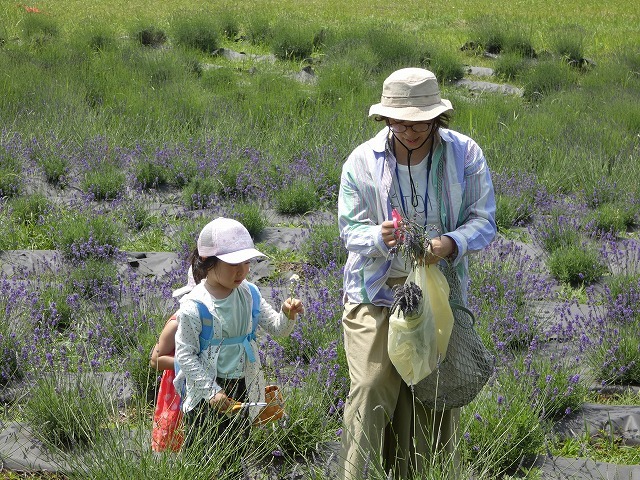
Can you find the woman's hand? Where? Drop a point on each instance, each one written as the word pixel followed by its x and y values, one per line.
pixel 441 247
pixel 390 233
pixel 292 307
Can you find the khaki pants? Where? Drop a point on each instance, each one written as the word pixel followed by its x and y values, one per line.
pixel 385 427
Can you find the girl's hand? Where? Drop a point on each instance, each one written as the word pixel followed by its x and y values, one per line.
pixel 221 402
pixel 292 307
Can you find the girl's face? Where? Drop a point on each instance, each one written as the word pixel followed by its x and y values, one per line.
pixel 225 277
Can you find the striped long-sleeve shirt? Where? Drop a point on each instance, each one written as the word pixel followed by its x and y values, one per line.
pixel 467 212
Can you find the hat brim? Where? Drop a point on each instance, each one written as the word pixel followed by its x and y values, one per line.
pixel 411 114
pixel 240 256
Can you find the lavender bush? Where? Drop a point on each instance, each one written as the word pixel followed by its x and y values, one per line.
pixel 11 368
pixel 516 197
pixel 67 411
pixel 614 356
pixel 505 282
pixel 502 431
pixel 11 175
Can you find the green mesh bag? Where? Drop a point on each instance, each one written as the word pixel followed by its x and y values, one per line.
pixel 468 364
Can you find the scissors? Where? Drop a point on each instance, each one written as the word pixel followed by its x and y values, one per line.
pixel 240 405
pixel 397 218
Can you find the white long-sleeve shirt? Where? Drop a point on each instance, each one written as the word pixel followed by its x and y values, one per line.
pixel 199 369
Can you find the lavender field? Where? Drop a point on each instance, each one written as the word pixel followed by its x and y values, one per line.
pixel 112 158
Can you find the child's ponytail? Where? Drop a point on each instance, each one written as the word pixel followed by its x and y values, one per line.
pixel 201 266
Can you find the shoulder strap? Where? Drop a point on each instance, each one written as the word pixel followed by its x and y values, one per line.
pixel 207 325
pixel 207 328
pixel 205 337
pixel 255 305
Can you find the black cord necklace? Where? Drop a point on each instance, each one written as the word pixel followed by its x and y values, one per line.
pixel 414 193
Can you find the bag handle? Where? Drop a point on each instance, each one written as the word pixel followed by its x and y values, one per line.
pixel 456 306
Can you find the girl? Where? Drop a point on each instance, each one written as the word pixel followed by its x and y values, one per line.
pixel 221 374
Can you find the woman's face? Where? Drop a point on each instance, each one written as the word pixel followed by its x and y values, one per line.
pixel 412 134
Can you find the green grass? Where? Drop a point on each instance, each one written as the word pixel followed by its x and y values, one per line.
pixel 625 396
pixel 615 218
pixel 67 411
pixel 501 432
pixel 600 447
pixel 170 95
pixel 299 198
pixel 251 216
pixel 576 265
pixel 609 24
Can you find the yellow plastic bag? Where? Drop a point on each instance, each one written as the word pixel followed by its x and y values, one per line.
pixel 438 297
pixel 418 337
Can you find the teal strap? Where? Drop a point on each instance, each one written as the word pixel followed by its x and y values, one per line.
pixel 255 305
pixel 244 340
pixel 207 325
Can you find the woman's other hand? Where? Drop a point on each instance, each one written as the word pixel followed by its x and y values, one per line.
pixel 441 247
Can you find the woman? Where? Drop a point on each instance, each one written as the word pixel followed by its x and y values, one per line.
pixel 430 175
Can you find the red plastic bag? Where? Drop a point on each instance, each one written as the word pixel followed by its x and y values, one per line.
pixel 167 430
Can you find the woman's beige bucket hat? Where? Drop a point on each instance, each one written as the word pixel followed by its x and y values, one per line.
pixel 411 94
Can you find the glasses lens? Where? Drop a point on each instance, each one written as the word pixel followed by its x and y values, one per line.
pixel 398 127
pixel 421 127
